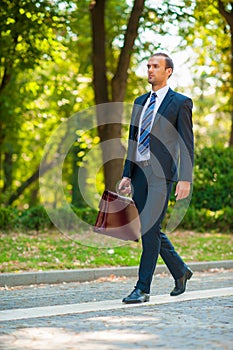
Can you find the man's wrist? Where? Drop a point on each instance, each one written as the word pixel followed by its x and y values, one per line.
pixel 127 178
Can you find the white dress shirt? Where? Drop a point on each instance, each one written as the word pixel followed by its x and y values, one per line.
pixel 161 93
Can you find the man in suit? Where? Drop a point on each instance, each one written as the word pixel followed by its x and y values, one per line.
pixel 160 152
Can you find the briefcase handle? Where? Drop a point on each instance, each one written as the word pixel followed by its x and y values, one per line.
pixel 120 193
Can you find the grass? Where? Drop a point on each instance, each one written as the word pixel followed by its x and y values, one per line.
pixel 53 250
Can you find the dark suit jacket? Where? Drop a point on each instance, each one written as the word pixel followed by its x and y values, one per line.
pixel 171 138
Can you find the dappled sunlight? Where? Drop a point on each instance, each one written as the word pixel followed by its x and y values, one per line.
pixel 50 338
pixel 129 319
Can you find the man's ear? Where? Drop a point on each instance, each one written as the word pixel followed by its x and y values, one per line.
pixel 169 72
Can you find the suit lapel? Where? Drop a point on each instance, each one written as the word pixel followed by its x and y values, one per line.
pixel 162 108
pixel 140 106
pixel 144 98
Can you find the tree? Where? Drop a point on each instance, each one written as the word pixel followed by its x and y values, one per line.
pixel 110 86
pixel 117 85
pixel 50 54
pixel 27 35
pixel 209 30
pixel 226 10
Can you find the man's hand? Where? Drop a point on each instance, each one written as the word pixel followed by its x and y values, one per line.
pixel 182 190
pixel 125 186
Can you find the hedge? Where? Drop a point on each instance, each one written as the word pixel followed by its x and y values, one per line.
pixel 213 178
pixel 211 205
pixel 37 219
pixel 207 220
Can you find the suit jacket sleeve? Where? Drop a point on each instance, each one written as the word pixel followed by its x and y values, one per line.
pixel 186 142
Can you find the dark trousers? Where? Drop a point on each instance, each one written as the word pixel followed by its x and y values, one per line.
pixel 151 195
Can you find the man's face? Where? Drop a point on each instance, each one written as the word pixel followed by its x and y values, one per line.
pixel 158 74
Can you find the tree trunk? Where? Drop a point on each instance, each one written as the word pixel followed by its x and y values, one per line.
pixel 34 195
pixel 109 117
pixel 48 162
pixel 35 176
pixel 106 130
pixel 77 199
pixel 119 82
pixel 5 80
pixel 7 171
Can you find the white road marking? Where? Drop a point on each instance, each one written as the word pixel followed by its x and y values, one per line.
pixel 58 310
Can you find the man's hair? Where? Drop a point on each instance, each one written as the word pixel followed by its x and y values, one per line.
pixel 168 60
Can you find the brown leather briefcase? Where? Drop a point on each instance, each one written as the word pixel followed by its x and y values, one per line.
pixel 118 217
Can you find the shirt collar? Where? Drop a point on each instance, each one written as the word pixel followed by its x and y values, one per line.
pixel 161 92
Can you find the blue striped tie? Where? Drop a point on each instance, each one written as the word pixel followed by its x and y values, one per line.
pixel 144 138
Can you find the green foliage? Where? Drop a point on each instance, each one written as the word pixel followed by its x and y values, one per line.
pixel 211 204
pixel 205 220
pixel 46 73
pixel 27 32
pixel 35 218
pixel 210 36
pixel 213 174
pixel 28 40
pixel 7 218
pixel 88 215
pixel 63 219
pixel 212 197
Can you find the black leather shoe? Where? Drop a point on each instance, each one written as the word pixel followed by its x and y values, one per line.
pixel 180 284
pixel 137 296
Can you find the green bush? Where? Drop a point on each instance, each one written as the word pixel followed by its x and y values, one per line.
pixel 35 218
pixel 213 178
pixel 8 218
pixel 206 220
pixel 210 209
pixel 88 215
pixel 64 219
